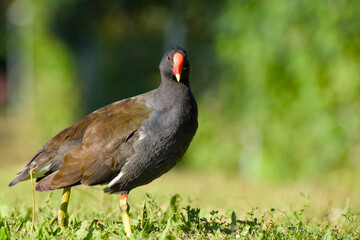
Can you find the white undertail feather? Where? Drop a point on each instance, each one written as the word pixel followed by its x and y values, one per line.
pixel 117 178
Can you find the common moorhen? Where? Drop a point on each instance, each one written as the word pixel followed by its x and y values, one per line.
pixel 126 144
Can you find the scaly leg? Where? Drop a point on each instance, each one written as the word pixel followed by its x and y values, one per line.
pixel 62 212
pixel 124 209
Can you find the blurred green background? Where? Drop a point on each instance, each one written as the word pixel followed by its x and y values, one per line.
pixel 277 82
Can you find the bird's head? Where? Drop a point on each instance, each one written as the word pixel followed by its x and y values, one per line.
pixel 175 65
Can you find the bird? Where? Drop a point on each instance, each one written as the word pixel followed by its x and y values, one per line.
pixel 126 144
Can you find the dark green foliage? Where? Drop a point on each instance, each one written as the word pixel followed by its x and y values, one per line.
pixel 289 86
pixel 277 82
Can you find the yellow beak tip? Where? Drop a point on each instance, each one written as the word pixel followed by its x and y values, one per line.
pixel 177 77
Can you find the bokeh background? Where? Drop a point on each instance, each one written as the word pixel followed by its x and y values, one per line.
pixel 277 84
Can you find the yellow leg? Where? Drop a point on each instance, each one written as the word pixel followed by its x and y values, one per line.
pixel 33 198
pixel 124 209
pixel 62 212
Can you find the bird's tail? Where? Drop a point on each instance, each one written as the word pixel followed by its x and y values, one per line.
pixel 24 175
pixel 37 172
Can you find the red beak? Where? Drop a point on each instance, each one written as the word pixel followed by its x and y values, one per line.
pixel 177 65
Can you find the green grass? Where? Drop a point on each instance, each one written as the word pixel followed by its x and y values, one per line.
pixel 210 206
pixel 177 220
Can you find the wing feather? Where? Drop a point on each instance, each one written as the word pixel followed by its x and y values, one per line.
pixel 106 142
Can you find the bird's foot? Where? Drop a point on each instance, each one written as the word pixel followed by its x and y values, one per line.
pixel 61 218
pixel 61 215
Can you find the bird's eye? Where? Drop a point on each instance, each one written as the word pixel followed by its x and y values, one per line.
pixel 168 58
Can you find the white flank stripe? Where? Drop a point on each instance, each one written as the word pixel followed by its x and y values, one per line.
pixel 117 178
pixel 142 135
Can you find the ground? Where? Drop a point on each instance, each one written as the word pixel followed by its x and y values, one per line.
pixel 192 204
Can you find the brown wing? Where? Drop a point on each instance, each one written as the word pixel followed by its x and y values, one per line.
pixel 102 154
pixel 93 150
